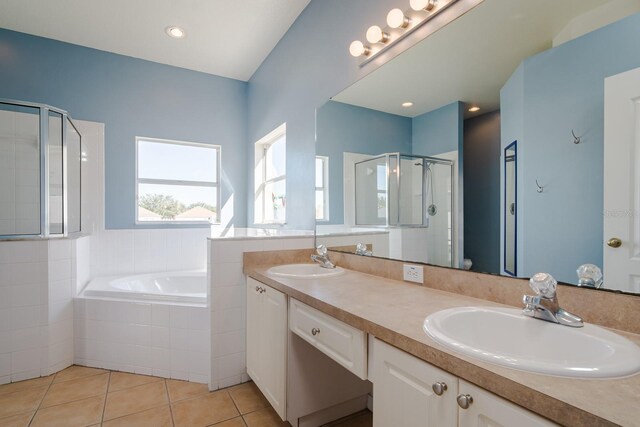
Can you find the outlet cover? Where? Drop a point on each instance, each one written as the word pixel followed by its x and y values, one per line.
pixel 413 273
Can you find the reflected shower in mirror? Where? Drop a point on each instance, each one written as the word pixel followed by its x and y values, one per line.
pixel 505 71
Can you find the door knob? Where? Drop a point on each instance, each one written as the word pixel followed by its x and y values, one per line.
pixel 464 401
pixel 614 242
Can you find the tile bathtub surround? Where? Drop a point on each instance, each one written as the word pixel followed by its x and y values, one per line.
pixel 610 309
pixel 167 341
pixel 80 396
pixel 228 301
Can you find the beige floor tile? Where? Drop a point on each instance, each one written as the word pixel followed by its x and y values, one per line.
pixel 21 401
pixel 248 398
pixel 78 413
pixel 21 420
pixel 264 418
pixel 74 372
pixel 135 399
pixel 122 380
pixel 155 417
pixel 27 384
pixel 180 390
pixel 204 410
pixel 235 422
pixel 82 388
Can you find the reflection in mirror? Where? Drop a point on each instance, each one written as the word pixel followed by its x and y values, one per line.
pixel 510 212
pixel 535 77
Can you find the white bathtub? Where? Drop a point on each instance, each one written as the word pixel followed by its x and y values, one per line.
pixel 186 287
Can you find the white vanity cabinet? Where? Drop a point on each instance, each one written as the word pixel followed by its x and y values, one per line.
pixel 409 392
pixel 267 342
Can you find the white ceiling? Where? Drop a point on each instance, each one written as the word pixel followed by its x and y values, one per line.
pixel 469 60
pixel 228 38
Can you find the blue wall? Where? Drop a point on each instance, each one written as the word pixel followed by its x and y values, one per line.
pixel 132 97
pixel 342 127
pixel 556 91
pixel 482 192
pixel 438 131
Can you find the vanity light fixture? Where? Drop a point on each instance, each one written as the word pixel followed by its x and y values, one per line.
pixel 376 35
pixel 400 24
pixel 397 19
pixel 427 5
pixel 175 32
pixel 474 109
pixel 407 104
pixel 357 48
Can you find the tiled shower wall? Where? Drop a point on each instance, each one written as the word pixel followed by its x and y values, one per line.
pixel 37 281
pixel 228 303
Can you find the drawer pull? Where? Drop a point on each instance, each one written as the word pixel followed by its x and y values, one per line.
pixel 439 388
pixel 315 331
pixel 464 401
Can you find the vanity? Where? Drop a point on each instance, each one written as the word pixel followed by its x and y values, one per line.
pixel 372 328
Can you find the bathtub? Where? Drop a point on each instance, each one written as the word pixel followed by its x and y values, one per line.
pixel 185 287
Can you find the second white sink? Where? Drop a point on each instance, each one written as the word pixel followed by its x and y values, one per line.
pixel 506 337
pixel 304 271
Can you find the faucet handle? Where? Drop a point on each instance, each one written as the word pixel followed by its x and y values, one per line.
pixel 589 275
pixel 321 250
pixel 543 284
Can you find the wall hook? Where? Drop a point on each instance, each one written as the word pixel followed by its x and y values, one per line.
pixel 576 139
pixel 540 188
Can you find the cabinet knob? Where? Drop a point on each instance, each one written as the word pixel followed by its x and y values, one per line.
pixel 315 331
pixel 439 388
pixel 262 290
pixel 464 401
pixel 257 288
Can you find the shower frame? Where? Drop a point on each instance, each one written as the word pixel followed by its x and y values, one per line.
pixel 398 181
pixel 43 153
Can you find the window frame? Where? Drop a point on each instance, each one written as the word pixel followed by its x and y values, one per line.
pixel 261 148
pixel 324 188
pixel 184 183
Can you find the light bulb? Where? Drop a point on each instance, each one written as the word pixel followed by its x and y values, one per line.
pixel 175 32
pixel 423 4
pixel 357 48
pixel 396 19
pixel 376 35
pixel 407 104
pixel 474 109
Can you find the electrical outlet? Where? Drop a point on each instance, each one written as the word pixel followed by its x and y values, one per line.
pixel 413 273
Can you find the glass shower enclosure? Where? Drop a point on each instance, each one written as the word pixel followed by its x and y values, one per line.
pixel 40 171
pixel 397 190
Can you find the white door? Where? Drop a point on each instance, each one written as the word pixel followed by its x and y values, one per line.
pixel 403 391
pixel 273 348
pixel 622 181
pixel 253 329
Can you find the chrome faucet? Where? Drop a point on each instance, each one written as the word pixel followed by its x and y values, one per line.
pixel 322 257
pixel 544 305
pixel 361 249
pixel 589 275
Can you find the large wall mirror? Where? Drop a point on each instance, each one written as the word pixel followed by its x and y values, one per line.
pixel 417 160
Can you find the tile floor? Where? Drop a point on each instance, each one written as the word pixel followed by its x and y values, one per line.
pixel 80 396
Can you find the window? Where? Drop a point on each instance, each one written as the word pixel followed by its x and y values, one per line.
pixel 322 188
pixel 270 178
pixel 177 182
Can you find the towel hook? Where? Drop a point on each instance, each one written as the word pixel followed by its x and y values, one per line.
pixel 576 139
pixel 540 188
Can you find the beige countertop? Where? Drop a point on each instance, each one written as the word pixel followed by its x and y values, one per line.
pixel 394 312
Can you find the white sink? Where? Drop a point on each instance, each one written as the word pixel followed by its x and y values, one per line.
pixel 304 271
pixel 506 337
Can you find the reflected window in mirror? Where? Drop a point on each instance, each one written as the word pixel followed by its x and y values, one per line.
pixel 271 177
pixel 322 188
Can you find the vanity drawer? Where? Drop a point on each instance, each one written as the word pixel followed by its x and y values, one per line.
pixel 341 342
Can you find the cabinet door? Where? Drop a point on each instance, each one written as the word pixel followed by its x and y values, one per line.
pixel 253 322
pixel 489 410
pixel 403 393
pixel 272 335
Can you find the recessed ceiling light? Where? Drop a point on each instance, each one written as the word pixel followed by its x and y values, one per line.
pixel 474 109
pixel 175 32
pixel 407 104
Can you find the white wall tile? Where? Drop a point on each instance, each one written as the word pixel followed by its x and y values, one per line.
pixel 160 315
